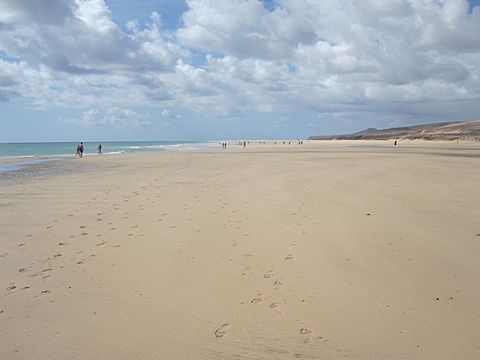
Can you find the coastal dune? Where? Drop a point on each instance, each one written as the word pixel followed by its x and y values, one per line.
pixel 330 250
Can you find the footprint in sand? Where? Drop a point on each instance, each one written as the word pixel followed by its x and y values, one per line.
pixel 84 233
pixel 268 274
pixel 222 330
pixel 277 283
pixel 46 292
pixel 305 331
pixel 289 257
pixel 11 287
pixel 3 255
pixel 63 243
pixel 273 305
pixel 57 255
pixel 257 299
pixel 101 243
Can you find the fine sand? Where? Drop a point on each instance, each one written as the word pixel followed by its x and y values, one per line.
pixel 330 250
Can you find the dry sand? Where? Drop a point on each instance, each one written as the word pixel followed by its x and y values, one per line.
pixel 321 251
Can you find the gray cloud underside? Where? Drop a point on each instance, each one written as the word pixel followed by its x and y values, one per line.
pixel 366 56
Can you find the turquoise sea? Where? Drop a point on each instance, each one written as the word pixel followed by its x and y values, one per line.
pixel 65 149
pixel 20 156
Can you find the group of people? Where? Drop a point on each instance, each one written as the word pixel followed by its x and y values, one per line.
pixel 81 149
pixel 244 143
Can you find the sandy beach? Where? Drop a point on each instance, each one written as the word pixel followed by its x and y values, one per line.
pixel 330 250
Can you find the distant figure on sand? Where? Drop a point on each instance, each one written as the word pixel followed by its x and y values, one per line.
pixel 100 147
pixel 395 143
pixel 80 150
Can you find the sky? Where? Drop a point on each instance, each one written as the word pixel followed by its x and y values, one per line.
pixel 99 70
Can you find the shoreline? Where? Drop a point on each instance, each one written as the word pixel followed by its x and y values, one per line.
pixel 26 167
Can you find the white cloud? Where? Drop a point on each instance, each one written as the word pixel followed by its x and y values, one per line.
pixel 112 117
pixel 328 56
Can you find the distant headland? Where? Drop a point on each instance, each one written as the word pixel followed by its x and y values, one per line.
pixel 458 130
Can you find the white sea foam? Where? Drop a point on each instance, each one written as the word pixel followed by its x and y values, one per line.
pixel 114 153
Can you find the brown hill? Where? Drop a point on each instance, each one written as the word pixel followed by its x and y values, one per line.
pixel 466 130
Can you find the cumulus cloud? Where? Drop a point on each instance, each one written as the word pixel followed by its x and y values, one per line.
pixel 112 117
pixel 235 56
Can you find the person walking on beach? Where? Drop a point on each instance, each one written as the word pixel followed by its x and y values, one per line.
pixel 100 147
pixel 80 149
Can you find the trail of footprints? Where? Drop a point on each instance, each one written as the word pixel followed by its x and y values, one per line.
pixel 46 272
pixel 78 258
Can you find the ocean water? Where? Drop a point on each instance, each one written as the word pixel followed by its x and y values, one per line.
pixel 66 149
pixel 27 159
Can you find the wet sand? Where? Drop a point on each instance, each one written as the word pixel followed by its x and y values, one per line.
pixel 329 250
